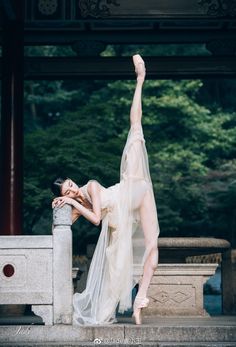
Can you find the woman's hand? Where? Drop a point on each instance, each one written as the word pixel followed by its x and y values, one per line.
pixel 62 200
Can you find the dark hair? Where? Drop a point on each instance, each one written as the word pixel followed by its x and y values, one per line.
pixel 57 184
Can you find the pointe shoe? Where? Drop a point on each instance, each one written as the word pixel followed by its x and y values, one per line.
pixel 139 67
pixel 139 304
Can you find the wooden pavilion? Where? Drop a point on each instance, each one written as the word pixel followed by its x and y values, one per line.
pixel 88 26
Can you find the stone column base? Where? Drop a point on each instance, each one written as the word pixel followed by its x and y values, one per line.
pixel 177 289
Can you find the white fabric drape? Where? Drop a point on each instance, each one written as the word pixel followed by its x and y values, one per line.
pixel 121 243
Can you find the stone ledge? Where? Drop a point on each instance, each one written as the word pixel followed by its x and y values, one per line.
pixel 193 242
pixel 25 241
pixel 177 249
pixel 183 269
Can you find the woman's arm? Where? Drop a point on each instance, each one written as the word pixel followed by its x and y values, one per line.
pixel 75 215
pixel 136 107
pixel 92 216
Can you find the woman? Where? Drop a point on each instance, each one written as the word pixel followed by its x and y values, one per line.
pixel 128 239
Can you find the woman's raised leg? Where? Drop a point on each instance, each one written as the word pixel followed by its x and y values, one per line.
pixel 136 107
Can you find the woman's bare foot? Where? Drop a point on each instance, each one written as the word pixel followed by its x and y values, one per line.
pixel 139 67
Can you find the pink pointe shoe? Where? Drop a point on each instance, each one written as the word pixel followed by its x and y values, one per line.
pixel 139 304
pixel 139 67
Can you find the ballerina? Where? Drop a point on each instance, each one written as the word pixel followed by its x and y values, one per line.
pixel 130 229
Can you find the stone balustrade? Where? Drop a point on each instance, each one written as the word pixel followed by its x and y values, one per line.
pixel 37 270
pixel 177 249
pixel 177 289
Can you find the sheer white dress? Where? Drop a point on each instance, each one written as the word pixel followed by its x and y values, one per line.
pixel 121 245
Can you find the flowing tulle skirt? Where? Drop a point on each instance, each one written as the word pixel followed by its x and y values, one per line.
pixel 121 245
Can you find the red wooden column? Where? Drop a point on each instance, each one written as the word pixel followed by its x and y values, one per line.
pixel 11 173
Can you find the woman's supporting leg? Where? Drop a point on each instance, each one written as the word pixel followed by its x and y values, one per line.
pixel 150 229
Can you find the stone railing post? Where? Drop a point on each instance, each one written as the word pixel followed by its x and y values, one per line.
pixel 229 282
pixel 62 265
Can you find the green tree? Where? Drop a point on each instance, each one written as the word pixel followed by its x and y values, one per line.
pixel 185 142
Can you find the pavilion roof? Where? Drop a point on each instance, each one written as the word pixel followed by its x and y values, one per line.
pixel 91 25
pixel 121 21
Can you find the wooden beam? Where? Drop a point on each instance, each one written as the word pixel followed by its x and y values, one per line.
pixel 132 9
pixel 122 68
pixel 61 36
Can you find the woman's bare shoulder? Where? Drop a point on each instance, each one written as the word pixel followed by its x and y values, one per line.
pixel 94 182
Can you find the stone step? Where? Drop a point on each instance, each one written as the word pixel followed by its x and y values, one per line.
pixel 199 344
pixel 156 331
pixel 147 344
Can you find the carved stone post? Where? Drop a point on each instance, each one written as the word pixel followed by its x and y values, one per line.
pixel 62 265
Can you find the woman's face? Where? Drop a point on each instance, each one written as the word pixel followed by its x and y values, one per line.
pixel 69 188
